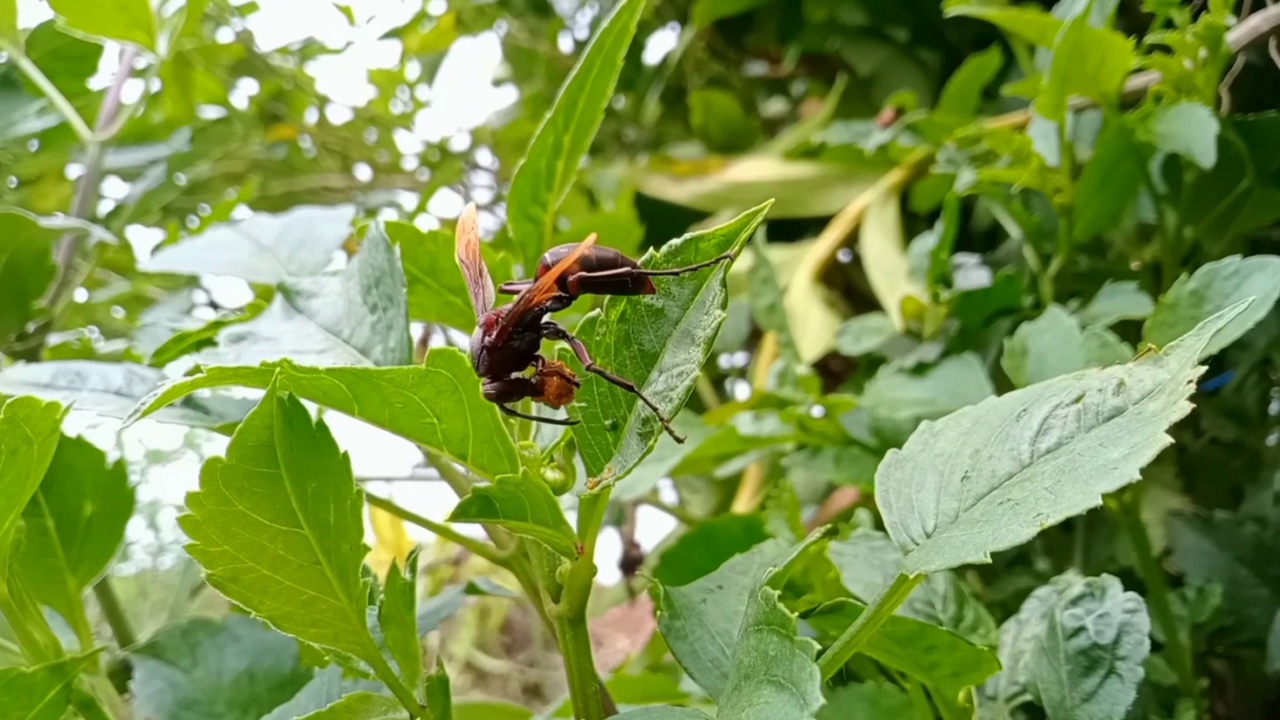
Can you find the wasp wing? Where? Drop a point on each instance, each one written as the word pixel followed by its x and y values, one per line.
pixel 474 271
pixel 542 289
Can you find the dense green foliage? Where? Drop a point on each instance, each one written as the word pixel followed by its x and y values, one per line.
pixel 982 419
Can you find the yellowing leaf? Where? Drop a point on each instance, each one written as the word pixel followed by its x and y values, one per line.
pixel 884 255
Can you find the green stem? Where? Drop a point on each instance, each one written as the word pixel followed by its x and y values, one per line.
pixel 1127 511
pixel 570 617
pixel 684 516
pixel 484 550
pixel 113 613
pixel 51 91
pixel 1048 289
pixel 706 391
pixel 39 643
pixel 394 683
pixel 875 615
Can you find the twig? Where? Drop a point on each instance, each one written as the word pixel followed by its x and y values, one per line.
pixel 1224 89
pixel 484 550
pixel 113 612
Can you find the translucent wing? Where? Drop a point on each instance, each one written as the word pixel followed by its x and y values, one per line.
pixel 474 271
pixel 542 289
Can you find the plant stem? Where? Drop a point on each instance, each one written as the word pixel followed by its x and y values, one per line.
pixel 875 615
pixel 706 392
pixel 1127 509
pixel 51 91
pixel 570 618
pixel 393 682
pixel 675 511
pixel 484 550
pixel 113 613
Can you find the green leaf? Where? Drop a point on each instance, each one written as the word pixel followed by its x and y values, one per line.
pixel 124 20
pixel 113 389
pixel 904 397
pixel 1211 288
pixel 1044 348
pixel 26 269
pixel 707 546
pixel 523 505
pixel 326 687
pixel 1116 300
pixel 185 342
pixel 544 176
pixel 663 713
pixel 492 710
pixel 706 12
pixel 773 674
pixel 868 562
pixel 265 248
pixel 9 22
pixel 1188 128
pixel 354 316
pixel 360 706
pixel 864 334
pixel 437 291
pixel 1049 451
pixel 1088 61
pixel 29 434
pixel 277 526
pixel 884 256
pixel 1110 182
pixel 233 668
pixel 1102 347
pixel 1090 661
pixel 659 342
pixel 398 619
pixel 42 692
pixel 437 405
pixel 74 526
pixel 869 700
pixel 718 119
pixel 1027 23
pixel 962 95
pixel 66 60
pixel 1236 553
pixel 439 694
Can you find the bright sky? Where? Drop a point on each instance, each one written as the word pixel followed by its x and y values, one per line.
pixel 462 97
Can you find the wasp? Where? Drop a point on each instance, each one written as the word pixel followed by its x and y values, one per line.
pixel 508 338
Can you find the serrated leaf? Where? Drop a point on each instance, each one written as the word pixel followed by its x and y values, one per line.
pixel 439 693
pixel 398 619
pixel 1028 23
pixel 544 176
pixel 437 405
pixel 42 692
pixel 124 20
pixel 74 526
pixel 1049 451
pixel 354 316
pixel 868 562
pixel 266 248
pixel 1044 348
pixel 962 95
pixel 1088 61
pixel 1187 128
pixel 360 706
pixel 114 389
pixel 523 505
pixel 1089 663
pixel 233 668
pixel 1211 288
pixel 277 526
pixel 659 342
pixel 774 676
pixel 1116 301
pixel 1239 555
pixel 29 434
pixel 884 256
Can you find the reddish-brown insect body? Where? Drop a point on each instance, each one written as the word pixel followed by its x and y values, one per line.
pixel 507 339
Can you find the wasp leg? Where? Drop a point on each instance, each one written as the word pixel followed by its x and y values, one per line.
pixel 537 418
pixel 514 287
pixel 552 331
pixel 506 390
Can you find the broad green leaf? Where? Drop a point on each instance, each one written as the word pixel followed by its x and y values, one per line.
pixel 1049 451
pixel 439 693
pixel 962 95
pixel 864 334
pixel 326 687
pixel 868 562
pixel 1237 553
pixel 774 676
pixel 707 546
pixel 1109 183
pixel 1088 61
pixel 1027 23
pixel 437 405
pixel 659 342
pixel 114 389
pixel 1102 347
pixel 665 712
pixel 544 176
pixel 42 692
pixel 836 464
pixel 66 60
pixel 74 526
pixel 1044 348
pixel 437 291
pixel 718 119
pixel 361 705
pixel 398 619
pixel 706 12
pixel 884 256
pixel 265 248
pixel 1116 301
pixel 523 505
pixel 354 316
pixel 1090 661
pixel 1188 128
pixel 232 668
pixel 799 188
pixel 1211 288
pixel 185 342
pixel 277 526
pixel 124 20
pixel 26 269
pixel 29 434
pixel 9 22
pixel 902 398
pixel 869 700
